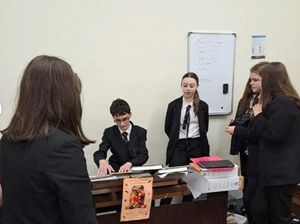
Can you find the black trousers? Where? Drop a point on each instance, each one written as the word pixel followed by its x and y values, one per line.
pixel 184 150
pixel 244 166
pixel 250 189
pixel 271 205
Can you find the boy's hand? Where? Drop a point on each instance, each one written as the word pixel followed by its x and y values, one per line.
pixel 104 168
pixel 125 168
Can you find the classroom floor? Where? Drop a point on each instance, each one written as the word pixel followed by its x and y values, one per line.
pixel 235 206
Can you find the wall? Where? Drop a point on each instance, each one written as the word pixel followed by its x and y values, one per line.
pixel 137 50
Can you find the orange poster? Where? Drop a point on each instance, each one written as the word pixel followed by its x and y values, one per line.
pixel 137 197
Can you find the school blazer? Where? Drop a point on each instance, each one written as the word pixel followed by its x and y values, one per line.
pixel 135 152
pixel 45 181
pixel 172 126
pixel 279 142
pixel 248 139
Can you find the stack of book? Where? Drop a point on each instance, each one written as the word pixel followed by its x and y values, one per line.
pixel 212 174
pixel 214 167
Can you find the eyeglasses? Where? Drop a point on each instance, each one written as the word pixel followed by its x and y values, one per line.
pixel 123 120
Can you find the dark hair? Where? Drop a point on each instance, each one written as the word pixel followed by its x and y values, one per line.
pixel 196 102
pixel 248 94
pixel 119 107
pixel 49 98
pixel 276 81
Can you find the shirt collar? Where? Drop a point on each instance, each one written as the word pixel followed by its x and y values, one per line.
pixel 185 104
pixel 128 129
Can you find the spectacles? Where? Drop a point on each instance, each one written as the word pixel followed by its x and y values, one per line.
pixel 123 120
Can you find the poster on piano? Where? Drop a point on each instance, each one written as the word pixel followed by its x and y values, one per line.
pixel 137 197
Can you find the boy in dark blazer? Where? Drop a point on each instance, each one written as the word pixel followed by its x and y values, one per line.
pixel 126 141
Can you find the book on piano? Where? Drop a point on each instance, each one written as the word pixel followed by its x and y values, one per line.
pixel 146 168
pixel 173 169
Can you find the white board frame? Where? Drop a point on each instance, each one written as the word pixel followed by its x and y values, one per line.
pixel 212 57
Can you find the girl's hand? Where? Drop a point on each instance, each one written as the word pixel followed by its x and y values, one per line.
pixel 230 129
pixel 257 109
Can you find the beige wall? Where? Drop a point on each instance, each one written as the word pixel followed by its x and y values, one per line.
pixel 137 50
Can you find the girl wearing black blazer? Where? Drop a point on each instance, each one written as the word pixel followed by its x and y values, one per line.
pixel 43 171
pixel 277 123
pixel 186 124
pixel 244 141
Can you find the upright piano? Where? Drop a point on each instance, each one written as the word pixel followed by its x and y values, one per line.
pixel 211 208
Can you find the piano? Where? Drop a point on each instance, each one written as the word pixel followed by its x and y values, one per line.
pixel 211 208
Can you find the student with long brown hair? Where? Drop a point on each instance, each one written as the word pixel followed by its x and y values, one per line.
pixel 244 142
pixel 277 123
pixel 43 170
pixel 244 114
pixel 186 124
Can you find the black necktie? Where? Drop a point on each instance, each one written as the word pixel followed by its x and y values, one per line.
pixel 186 120
pixel 124 136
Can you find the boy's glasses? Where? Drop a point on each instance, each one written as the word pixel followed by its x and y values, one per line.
pixel 123 120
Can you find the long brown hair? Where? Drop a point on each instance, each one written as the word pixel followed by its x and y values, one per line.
pixel 196 101
pixel 49 98
pixel 248 94
pixel 276 81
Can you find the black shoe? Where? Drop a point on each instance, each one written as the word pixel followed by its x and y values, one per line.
pixel 294 219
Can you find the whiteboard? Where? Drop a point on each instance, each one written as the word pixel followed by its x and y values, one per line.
pixel 211 56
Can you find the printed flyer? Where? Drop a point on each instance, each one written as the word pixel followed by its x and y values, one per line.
pixel 137 197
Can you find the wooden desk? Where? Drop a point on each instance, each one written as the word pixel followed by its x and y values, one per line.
pixel 212 209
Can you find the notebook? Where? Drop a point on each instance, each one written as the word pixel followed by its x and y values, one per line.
pixel 216 164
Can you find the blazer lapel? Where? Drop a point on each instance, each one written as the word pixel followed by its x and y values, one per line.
pixel 133 135
pixel 120 145
pixel 177 114
pixel 118 137
pixel 200 119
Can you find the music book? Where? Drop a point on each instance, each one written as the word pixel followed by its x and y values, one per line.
pixel 146 167
pixel 112 176
pixel 173 169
